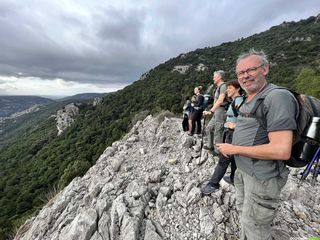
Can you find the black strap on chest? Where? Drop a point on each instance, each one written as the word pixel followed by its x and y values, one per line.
pixel 257 111
pixel 253 113
pixel 235 108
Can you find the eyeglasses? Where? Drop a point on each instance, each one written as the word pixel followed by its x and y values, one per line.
pixel 249 71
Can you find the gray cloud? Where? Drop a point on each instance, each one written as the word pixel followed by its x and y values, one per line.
pixel 90 42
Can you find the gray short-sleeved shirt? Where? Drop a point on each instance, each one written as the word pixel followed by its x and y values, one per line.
pixel 280 108
pixel 221 89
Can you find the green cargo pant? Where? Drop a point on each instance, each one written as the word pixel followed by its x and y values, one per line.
pixel 257 202
pixel 214 130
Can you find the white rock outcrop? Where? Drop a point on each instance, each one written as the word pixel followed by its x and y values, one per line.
pixel 201 67
pixel 96 101
pixel 65 117
pixel 300 39
pixel 156 195
pixel 181 68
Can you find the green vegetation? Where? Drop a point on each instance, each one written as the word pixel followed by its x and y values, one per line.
pixel 308 82
pixel 34 160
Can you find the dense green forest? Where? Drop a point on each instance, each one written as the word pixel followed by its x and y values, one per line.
pixel 34 159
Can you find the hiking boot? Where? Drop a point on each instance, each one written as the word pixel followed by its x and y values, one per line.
pixel 228 180
pixel 208 189
pixel 190 134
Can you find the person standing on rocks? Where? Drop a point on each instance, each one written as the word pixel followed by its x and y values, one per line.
pixel 234 92
pixel 214 129
pixel 260 152
pixel 198 110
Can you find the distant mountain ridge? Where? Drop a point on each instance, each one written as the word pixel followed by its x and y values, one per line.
pixel 13 104
pixel 16 103
pixel 83 96
pixel 34 160
pixel 13 107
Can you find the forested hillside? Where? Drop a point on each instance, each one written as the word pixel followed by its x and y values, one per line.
pixel 35 160
pixel 13 104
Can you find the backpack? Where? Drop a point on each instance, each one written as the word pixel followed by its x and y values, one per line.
pixel 309 107
pixel 208 99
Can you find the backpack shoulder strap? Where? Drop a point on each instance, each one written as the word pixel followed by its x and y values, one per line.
pixel 235 108
pixel 261 99
pixel 253 113
pixel 218 89
pixel 261 119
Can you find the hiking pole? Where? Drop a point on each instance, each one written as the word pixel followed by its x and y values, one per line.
pixel 316 170
pixel 310 164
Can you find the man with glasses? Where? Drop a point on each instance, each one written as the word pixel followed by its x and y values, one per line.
pixel 258 151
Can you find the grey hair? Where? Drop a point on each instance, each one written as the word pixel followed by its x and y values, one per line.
pixel 221 73
pixel 252 51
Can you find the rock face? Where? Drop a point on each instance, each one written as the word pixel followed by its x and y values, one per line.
pixel 13 116
pixel 97 101
pixel 181 68
pixel 147 186
pixel 65 117
pixel 201 67
pixel 9 105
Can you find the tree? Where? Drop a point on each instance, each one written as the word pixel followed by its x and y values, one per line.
pixel 308 82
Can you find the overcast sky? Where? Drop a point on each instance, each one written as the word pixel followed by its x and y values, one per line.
pixel 65 47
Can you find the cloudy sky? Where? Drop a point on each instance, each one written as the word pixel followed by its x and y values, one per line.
pixel 65 47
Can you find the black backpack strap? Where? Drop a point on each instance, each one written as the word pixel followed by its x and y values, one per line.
pixel 235 108
pixel 261 119
pixel 253 113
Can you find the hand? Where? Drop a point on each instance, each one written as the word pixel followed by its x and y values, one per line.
pixel 231 125
pixel 226 149
pixel 206 113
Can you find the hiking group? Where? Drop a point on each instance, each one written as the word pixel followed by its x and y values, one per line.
pixel 253 126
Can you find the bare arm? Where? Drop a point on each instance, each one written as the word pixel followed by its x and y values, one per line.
pixel 215 105
pixel 218 102
pixel 278 148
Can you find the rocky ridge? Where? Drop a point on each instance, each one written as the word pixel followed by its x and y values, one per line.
pixel 65 117
pixel 147 186
pixel 14 116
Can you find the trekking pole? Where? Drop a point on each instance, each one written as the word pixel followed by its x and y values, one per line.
pixel 307 170
pixel 316 170
pixel 315 173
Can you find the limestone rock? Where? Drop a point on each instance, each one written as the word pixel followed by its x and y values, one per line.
pixel 82 227
pixel 155 194
pixel 181 68
pixel 150 233
pixel 65 117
